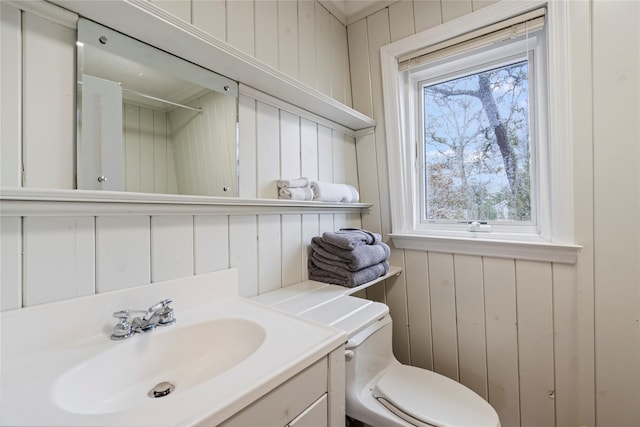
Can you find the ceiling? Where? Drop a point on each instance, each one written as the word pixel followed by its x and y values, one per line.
pixel 351 7
pixel 348 11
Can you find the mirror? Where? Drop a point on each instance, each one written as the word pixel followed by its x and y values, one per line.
pixel 151 122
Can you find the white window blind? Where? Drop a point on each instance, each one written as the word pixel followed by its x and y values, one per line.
pixel 504 30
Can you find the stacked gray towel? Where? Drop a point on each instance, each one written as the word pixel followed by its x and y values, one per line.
pixel 348 257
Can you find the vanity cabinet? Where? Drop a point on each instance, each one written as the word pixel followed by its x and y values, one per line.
pixel 308 399
pixel 314 415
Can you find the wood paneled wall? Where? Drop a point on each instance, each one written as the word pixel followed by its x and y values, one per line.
pixel 548 344
pixel 616 178
pixel 300 38
pixel 49 258
pixel 523 334
pixel 503 327
pixel 305 41
pixel 204 146
pixel 149 162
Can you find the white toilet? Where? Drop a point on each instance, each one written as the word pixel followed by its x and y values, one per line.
pixel 380 391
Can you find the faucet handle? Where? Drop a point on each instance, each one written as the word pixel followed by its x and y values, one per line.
pixel 121 314
pixel 126 314
pixel 162 304
pixel 164 312
pixel 123 329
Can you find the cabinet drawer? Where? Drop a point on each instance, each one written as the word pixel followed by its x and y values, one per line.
pixel 314 416
pixel 281 405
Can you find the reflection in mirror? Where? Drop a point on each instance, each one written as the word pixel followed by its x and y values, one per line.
pixel 151 122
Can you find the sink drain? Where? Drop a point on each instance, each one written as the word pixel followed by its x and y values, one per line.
pixel 161 389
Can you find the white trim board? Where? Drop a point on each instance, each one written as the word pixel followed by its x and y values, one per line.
pixel 533 251
pixel 148 23
pixel 34 202
pixel 265 98
pixel 47 11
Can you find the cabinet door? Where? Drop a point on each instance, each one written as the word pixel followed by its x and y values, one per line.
pixel 314 416
pixel 278 407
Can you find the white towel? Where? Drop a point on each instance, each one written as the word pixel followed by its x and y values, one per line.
pixel 293 183
pixel 330 192
pixel 296 193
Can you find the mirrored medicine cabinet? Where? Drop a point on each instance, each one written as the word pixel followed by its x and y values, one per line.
pixel 151 122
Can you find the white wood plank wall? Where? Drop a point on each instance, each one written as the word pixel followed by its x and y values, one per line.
pixel 304 41
pixel 149 160
pixel 616 135
pixel 488 323
pixel 300 38
pixel 51 258
pixel 523 334
pixel 204 147
pixel 48 104
pixel 47 259
pixel 548 344
pixel 269 250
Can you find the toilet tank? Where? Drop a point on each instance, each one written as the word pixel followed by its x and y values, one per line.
pixel 369 353
pixel 367 323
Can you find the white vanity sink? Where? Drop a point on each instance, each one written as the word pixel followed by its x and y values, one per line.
pixel 183 357
pixel 59 366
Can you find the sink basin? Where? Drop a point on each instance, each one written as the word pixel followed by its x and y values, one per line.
pixel 184 357
pixel 223 353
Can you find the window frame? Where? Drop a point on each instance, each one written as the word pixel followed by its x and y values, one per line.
pixel 533 50
pixel 555 224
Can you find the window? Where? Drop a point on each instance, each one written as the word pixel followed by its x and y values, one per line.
pixel 479 133
pixel 477 124
pixel 476 148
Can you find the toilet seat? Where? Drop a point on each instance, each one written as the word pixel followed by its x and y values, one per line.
pixel 423 397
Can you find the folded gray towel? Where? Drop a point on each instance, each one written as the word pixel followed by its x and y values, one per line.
pixel 352 260
pixel 327 273
pixel 350 238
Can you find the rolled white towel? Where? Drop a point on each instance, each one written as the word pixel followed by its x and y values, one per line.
pixel 295 193
pixel 330 192
pixel 293 183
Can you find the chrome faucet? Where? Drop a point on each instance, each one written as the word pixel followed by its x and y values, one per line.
pixel 159 314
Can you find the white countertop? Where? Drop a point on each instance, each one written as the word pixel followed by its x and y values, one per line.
pixel 328 304
pixel 42 343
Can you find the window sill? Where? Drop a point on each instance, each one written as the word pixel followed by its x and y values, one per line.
pixel 533 251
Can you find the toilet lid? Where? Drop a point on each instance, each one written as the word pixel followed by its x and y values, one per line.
pixel 432 398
